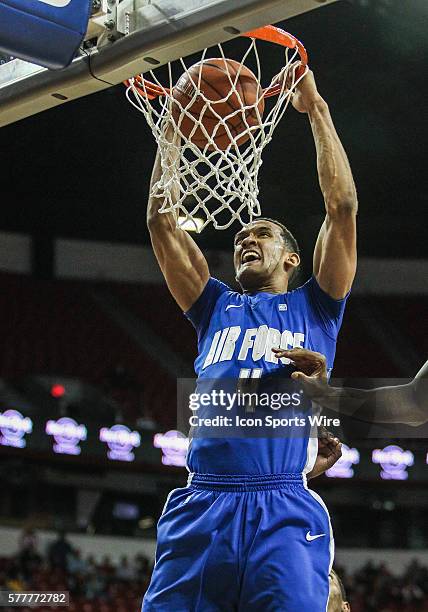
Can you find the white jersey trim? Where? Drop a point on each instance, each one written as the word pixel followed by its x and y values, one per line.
pixel 319 499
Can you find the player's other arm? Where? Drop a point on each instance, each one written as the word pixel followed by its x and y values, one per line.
pixel 398 404
pixel 407 404
pixel 329 453
pixel 182 263
pixel 335 255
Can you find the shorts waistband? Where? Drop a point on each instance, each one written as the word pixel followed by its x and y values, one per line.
pixel 244 482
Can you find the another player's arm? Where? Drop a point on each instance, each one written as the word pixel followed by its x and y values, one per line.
pixel 329 453
pixel 182 263
pixel 403 403
pixel 407 404
pixel 396 404
pixel 420 389
pixel 335 255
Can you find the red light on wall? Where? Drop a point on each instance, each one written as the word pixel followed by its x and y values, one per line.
pixel 57 390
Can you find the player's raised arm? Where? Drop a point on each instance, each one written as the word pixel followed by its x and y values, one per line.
pixel 182 263
pixel 335 255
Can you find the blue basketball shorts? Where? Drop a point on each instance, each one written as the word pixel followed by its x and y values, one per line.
pixel 242 543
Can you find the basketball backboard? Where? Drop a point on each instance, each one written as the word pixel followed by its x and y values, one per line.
pixel 133 36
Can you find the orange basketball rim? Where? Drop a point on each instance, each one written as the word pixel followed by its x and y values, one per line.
pixel 267 33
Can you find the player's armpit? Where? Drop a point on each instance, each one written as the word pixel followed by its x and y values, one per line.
pixel 335 255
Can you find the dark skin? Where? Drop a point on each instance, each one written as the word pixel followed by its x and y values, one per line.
pixel 262 261
pixel 311 366
pixel 406 404
pixel 329 451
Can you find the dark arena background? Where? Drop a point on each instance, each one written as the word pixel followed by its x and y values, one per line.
pixel 92 344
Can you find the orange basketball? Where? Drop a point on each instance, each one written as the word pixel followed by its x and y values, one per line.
pixel 238 108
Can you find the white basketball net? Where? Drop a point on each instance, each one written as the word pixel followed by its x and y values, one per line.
pixel 217 186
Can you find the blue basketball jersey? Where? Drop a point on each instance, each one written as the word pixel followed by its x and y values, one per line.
pixel 236 334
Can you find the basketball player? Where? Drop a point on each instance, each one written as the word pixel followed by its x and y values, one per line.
pixel 246 533
pixel 406 404
pixel 337 598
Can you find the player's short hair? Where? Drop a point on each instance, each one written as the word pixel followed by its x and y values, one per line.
pixel 340 583
pixel 287 236
pixel 290 242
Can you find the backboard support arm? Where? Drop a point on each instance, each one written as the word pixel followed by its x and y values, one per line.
pixel 150 35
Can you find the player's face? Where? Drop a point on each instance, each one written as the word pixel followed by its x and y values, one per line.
pixel 335 601
pixel 259 252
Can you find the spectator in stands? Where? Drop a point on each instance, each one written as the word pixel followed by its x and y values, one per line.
pixel 77 573
pixel 417 572
pixel 118 415
pixel 121 377
pixel 28 556
pixel 337 597
pixel 75 563
pixel 59 551
pixel 15 583
pixel 27 540
pixel 142 564
pixel 125 571
pixel 10 576
pixel 412 594
pixel 146 419
pixel 95 584
pixel 107 568
pixel 121 383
